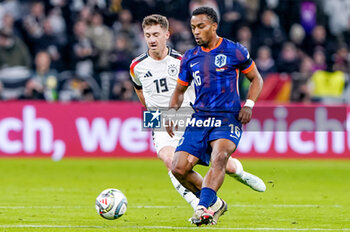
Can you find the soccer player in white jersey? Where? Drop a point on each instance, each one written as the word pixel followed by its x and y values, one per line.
pixel 154 75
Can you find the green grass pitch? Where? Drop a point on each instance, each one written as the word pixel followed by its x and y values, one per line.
pixel 42 195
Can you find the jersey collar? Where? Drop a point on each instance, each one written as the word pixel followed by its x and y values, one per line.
pixel 169 50
pixel 217 45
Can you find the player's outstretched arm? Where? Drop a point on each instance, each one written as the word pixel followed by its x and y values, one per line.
pixel 139 94
pixel 177 97
pixel 253 94
pixel 175 103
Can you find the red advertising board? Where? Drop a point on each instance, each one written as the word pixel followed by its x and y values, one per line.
pixel 114 129
pixel 297 131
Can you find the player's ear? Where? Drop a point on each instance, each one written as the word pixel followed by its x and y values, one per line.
pixel 167 34
pixel 215 26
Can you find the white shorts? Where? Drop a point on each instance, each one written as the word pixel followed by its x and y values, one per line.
pixel 162 139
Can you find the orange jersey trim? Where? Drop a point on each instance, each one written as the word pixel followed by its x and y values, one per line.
pixel 247 70
pixel 217 45
pixel 237 80
pixel 181 82
pixel 135 62
pixel 132 66
pixel 132 73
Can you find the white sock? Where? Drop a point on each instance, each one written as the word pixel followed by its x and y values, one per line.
pixel 216 205
pixel 239 168
pixel 185 193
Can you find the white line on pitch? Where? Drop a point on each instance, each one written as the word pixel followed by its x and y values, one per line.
pixel 42 207
pixel 243 206
pixel 176 228
pixel 173 207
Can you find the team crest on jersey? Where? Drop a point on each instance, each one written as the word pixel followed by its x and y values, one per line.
pixel 172 70
pixel 220 60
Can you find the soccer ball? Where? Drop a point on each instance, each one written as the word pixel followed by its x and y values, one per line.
pixel 111 204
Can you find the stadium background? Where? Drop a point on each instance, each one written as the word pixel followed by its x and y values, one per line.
pixel 78 53
pixel 66 95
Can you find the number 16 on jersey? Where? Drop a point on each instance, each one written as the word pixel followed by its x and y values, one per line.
pixel 197 78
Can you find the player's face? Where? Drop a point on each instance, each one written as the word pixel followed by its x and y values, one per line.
pixel 203 29
pixel 156 38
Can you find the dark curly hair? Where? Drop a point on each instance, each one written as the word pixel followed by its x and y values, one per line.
pixel 210 12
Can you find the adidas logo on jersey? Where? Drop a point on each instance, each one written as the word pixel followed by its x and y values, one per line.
pixel 148 74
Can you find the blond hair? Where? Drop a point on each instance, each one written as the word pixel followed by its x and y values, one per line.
pixel 156 19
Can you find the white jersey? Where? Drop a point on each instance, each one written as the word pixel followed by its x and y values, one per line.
pixel 158 78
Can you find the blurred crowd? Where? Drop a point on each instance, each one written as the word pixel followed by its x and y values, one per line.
pixel 80 50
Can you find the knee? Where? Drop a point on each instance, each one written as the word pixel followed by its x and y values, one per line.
pixel 234 166
pixel 230 167
pixel 182 165
pixel 166 156
pixel 219 159
pixel 168 161
pixel 178 171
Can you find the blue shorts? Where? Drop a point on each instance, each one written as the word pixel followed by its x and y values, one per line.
pixel 196 139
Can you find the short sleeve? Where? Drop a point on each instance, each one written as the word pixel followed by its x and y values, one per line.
pixel 185 77
pixel 246 63
pixel 135 80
